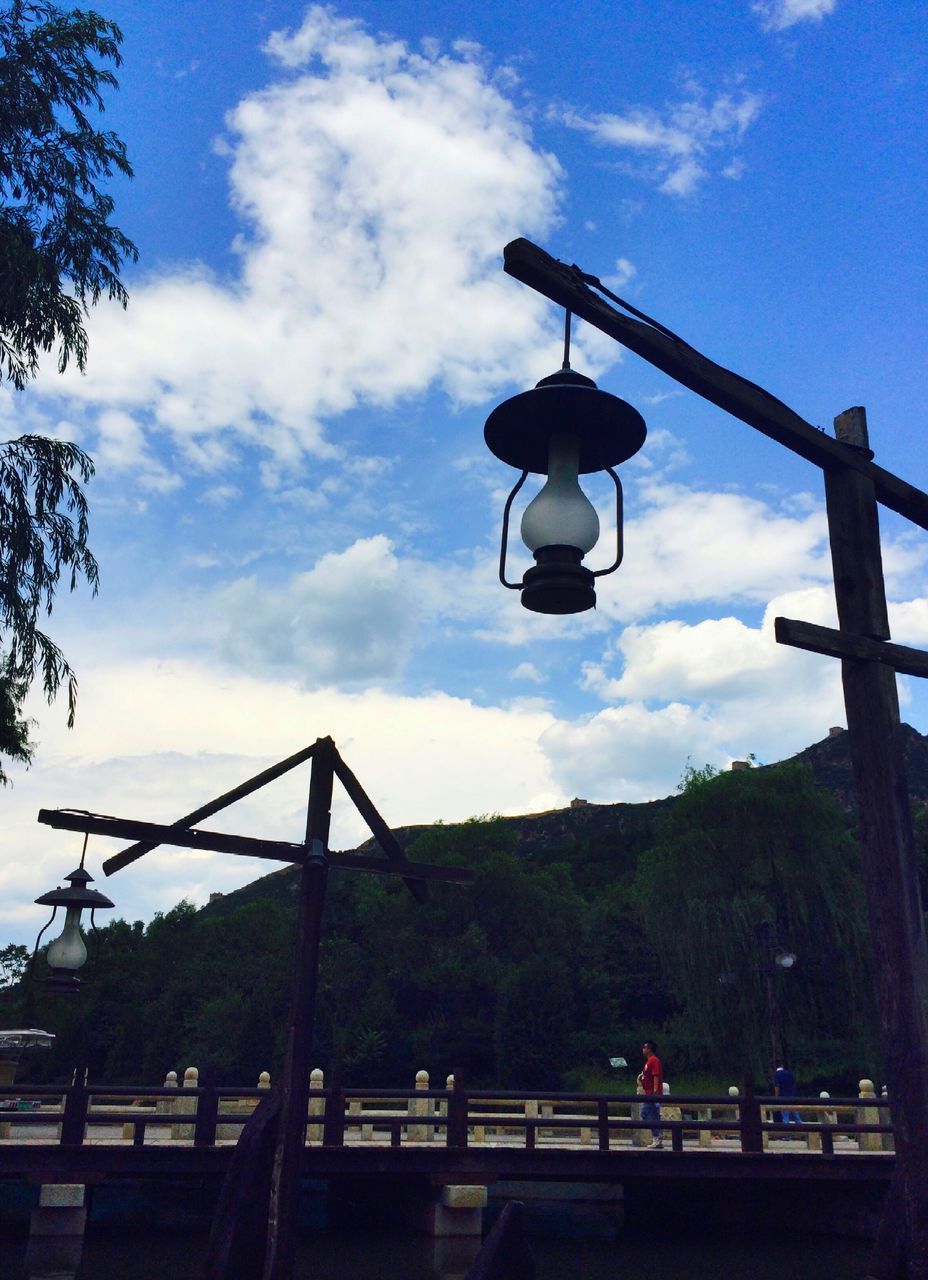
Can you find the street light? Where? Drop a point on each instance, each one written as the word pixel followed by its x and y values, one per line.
pixel 68 952
pixel 855 488
pixel 564 428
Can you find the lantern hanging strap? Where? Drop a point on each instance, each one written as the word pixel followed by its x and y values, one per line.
pixel 45 927
pixel 619 534
pixel 513 586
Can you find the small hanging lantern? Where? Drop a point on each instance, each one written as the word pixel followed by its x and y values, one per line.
pixel 564 428
pixel 68 952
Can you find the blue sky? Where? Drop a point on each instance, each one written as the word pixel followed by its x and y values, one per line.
pixel 294 512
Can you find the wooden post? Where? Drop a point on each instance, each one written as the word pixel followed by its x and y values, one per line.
pixel 285 1179
pixel 752 1134
pixel 204 1131
pixel 457 1115
pixel 74 1118
pixel 897 926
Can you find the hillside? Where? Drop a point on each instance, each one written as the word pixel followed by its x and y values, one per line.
pixel 613 836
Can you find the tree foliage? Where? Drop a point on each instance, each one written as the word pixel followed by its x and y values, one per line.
pixel 59 251
pixel 14 960
pixel 43 536
pixel 549 965
pixel 736 850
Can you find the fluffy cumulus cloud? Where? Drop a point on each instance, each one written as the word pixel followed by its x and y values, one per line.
pixel 347 620
pixel 778 15
pixel 674 146
pixel 708 691
pixel 376 186
pixel 687 546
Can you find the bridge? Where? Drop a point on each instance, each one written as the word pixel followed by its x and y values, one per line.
pixel 89 1133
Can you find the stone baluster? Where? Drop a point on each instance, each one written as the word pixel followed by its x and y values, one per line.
pixel 316 1105
pixel 419 1107
pixel 185 1104
pixel 669 1112
pixel 868 1115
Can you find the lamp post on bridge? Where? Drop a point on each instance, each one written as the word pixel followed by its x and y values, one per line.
pixel 854 488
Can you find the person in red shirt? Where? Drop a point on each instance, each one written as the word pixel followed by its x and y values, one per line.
pixel 652 1080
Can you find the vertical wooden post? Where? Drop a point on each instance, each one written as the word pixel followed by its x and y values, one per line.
pixel 294 1087
pixel 752 1134
pixel 74 1117
pixel 204 1131
pixel 897 927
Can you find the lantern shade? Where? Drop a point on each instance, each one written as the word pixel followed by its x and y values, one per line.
pixel 608 430
pixel 77 896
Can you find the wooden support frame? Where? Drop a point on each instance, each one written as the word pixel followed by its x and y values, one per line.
pixel 314 860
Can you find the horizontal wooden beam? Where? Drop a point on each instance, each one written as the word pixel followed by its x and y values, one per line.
pixel 247 846
pixel 738 396
pixel 414 871
pixel 841 644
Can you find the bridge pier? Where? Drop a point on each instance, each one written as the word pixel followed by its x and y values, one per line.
pixel 456 1210
pixel 56 1232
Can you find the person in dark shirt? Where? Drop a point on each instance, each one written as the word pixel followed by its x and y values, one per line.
pixel 652 1080
pixel 784 1086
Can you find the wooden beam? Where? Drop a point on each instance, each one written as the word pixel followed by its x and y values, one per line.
pixel 218 842
pixel 420 870
pixel 136 851
pixel 378 828
pixel 738 396
pixel 842 644
pixel 157 833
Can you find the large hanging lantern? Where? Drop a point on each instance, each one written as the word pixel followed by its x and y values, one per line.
pixel 564 428
pixel 68 952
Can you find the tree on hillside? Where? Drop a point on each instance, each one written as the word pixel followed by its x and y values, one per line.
pixel 59 253
pixel 736 850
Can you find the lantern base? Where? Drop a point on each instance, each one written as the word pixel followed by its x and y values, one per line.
pixel 62 982
pixel 558 582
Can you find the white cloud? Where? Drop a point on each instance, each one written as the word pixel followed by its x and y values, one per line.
pixel 121 449
pixel 688 546
pixel 349 619
pixel 778 15
pixel 711 691
pixel 528 671
pixel 376 187
pixel 678 142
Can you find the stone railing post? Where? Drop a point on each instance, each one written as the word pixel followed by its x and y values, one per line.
pixel 316 1105
pixel 670 1112
pixel 419 1107
pixel 442 1107
pixel 185 1104
pixel 731 1113
pixel 868 1115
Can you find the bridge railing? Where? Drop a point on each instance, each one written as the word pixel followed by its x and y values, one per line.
pixel 457 1117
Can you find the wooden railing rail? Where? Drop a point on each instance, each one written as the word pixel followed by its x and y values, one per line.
pixel 465 1113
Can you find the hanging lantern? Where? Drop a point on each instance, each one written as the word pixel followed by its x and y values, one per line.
pixel 564 428
pixel 68 952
